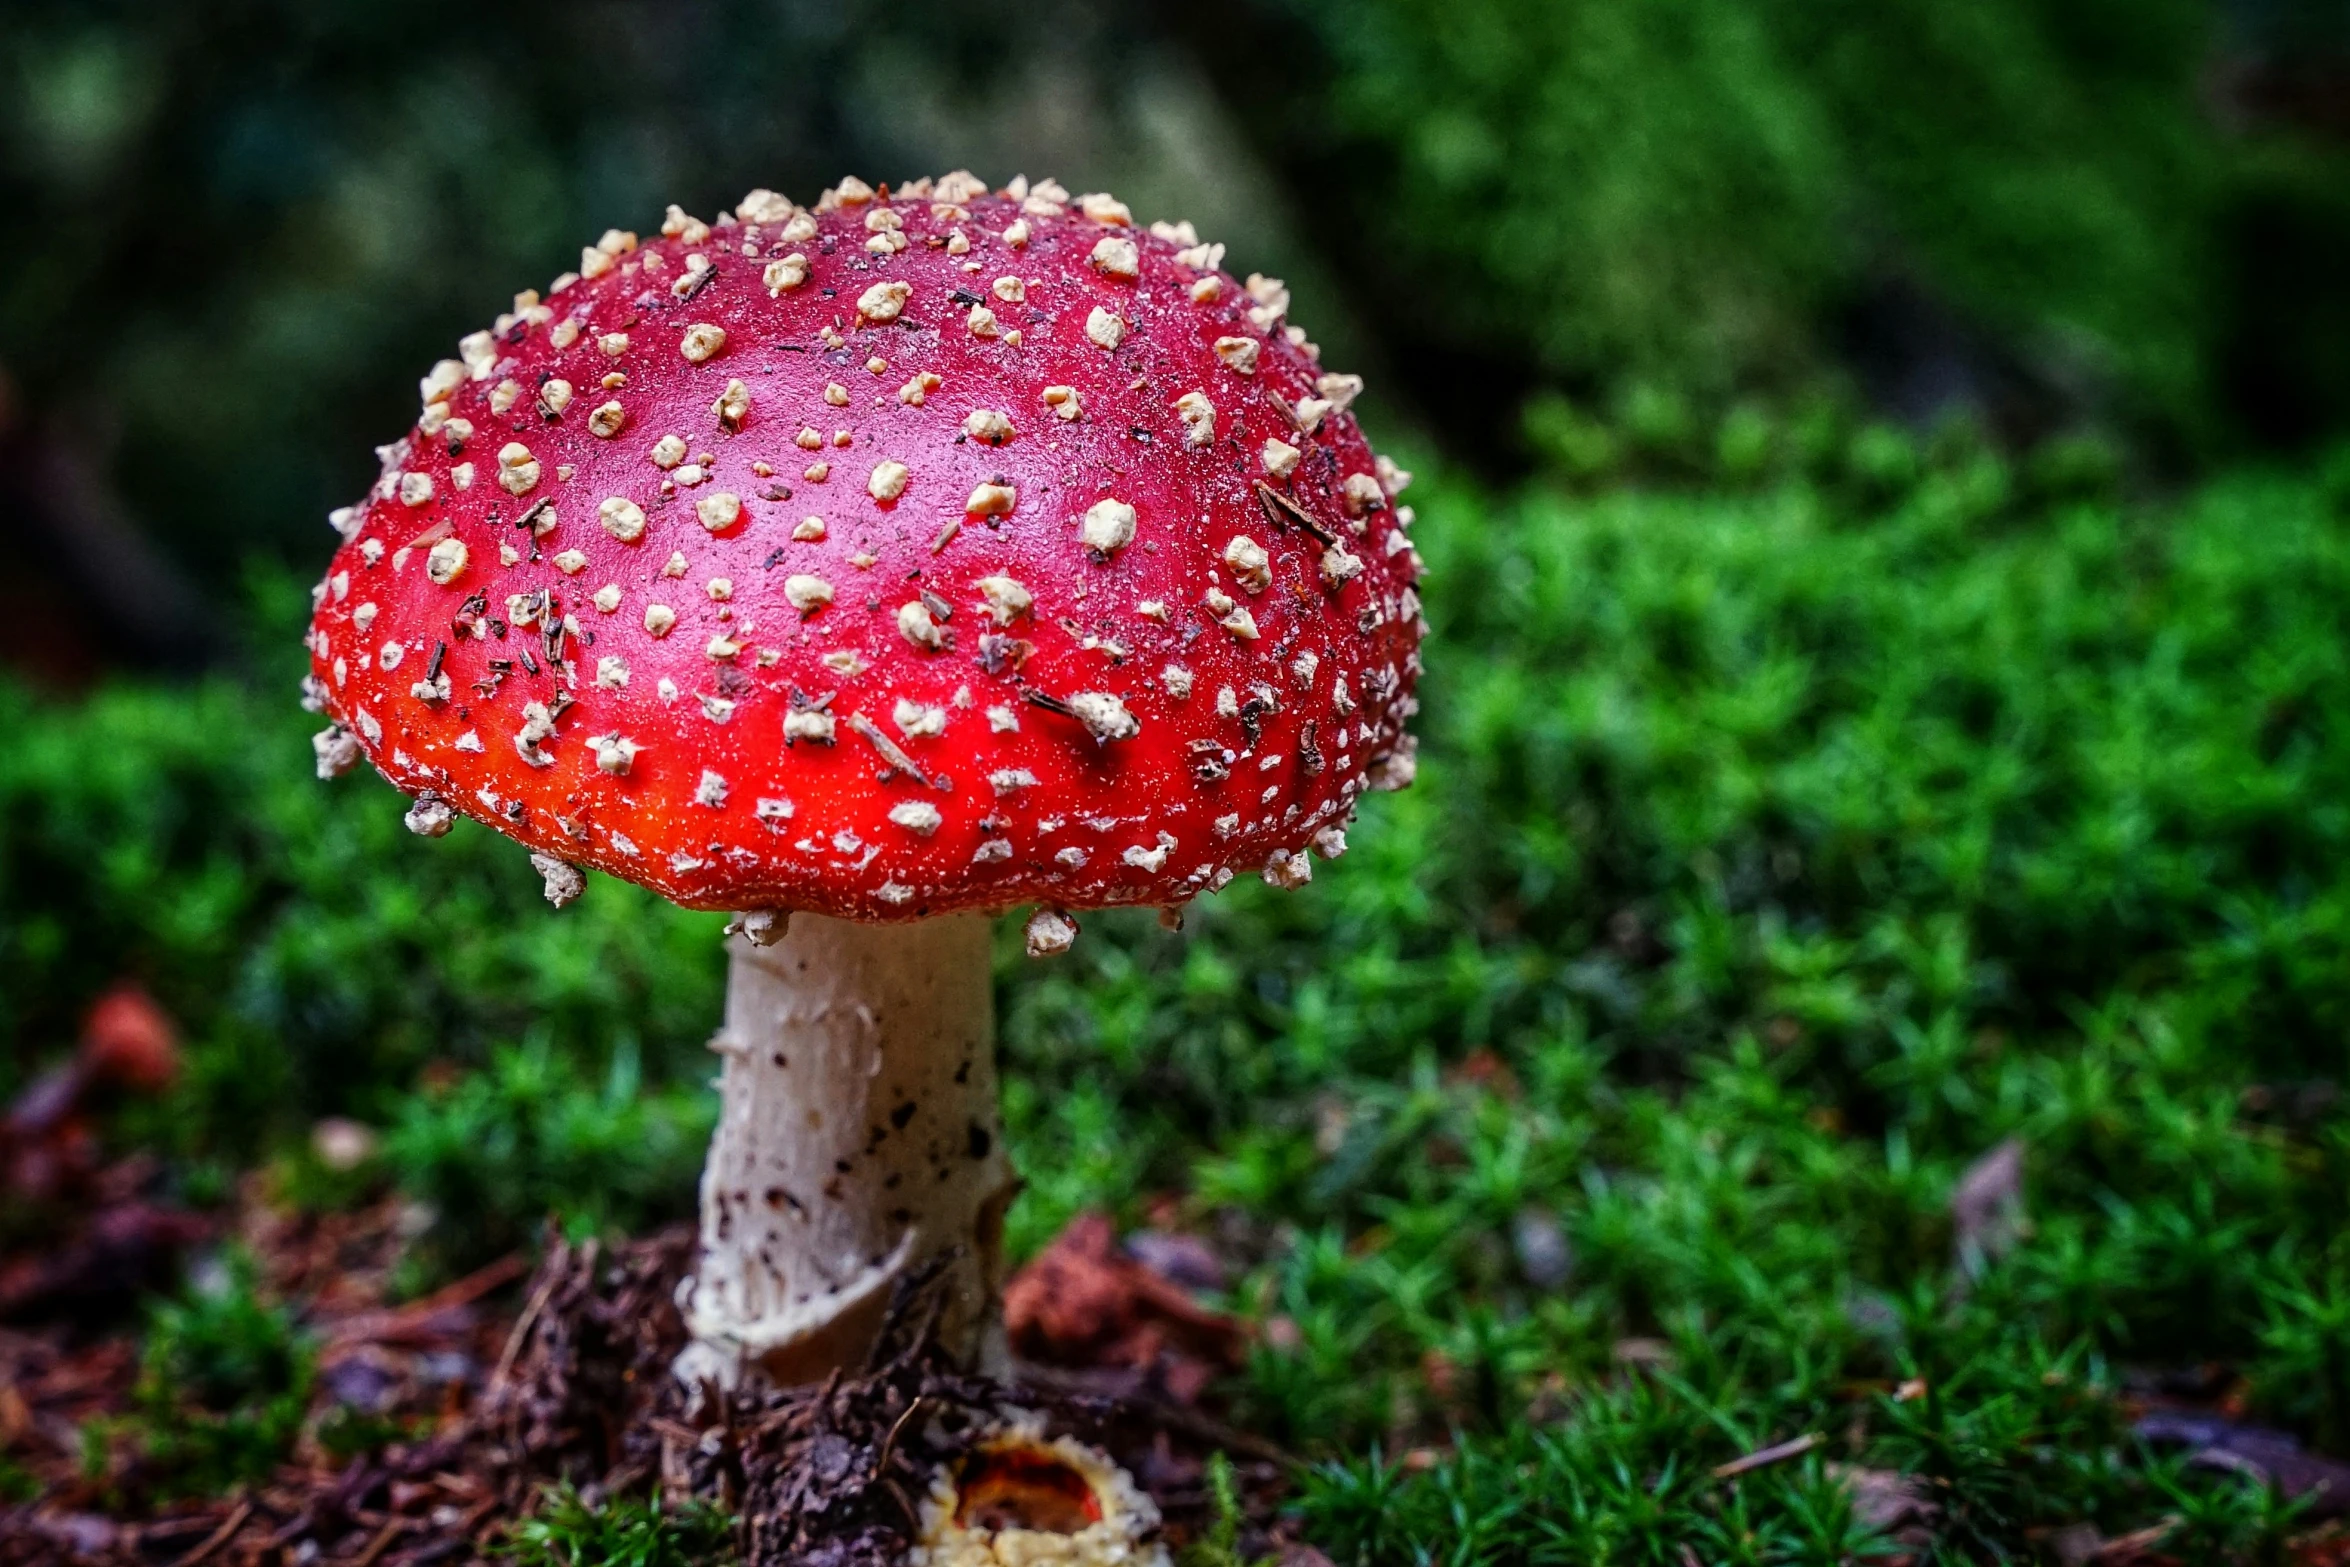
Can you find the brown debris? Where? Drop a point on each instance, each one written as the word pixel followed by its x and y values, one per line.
pixel 1987 1208
pixel 832 1476
pixel 87 1234
pixel 116 1251
pixel 47 1148
pixel 588 1359
pixel 568 1380
pixel 1085 1302
pixel 1900 1507
pixel 2265 1456
pixel 1766 1457
pixel 128 1041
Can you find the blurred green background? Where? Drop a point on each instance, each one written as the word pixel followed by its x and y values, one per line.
pixel 235 229
pixel 1885 474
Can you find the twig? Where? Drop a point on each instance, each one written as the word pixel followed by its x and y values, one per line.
pixel 2124 1547
pixel 383 1537
pixel 1763 1458
pixel 374 1326
pixel 905 1503
pixel 162 1529
pixel 1190 1421
pixel 822 1402
pixel 522 1326
pixel 220 1536
pixel 889 1443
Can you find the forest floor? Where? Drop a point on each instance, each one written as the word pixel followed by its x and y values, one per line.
pixel 1839 1057
pixel 437 1429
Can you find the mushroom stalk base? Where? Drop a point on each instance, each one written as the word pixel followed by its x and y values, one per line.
pixel 858 1140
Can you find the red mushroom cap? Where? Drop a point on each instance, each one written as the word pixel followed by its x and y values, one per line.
pixel 925 551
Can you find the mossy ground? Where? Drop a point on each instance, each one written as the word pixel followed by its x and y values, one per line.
pixel 1781 850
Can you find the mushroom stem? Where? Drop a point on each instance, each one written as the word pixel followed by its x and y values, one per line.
pixel 858 1138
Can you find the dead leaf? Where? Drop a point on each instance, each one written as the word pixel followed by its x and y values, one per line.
pixel 1084 1302
pixel 1987 1208
pixel 130 1042
pixel 2268 1456
pixel 1889 1502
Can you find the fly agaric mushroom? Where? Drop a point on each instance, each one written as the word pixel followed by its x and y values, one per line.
pixel 886 565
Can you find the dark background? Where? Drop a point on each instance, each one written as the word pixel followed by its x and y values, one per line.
pixel 235 230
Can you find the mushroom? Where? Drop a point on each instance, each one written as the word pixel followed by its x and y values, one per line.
pixel 1019 1495
pixel 1078 661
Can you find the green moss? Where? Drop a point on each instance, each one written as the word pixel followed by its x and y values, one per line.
pixel 1778 854
pixel 224 1383
pixel 1721 197
pixel 527 1141
pixel 625 1531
